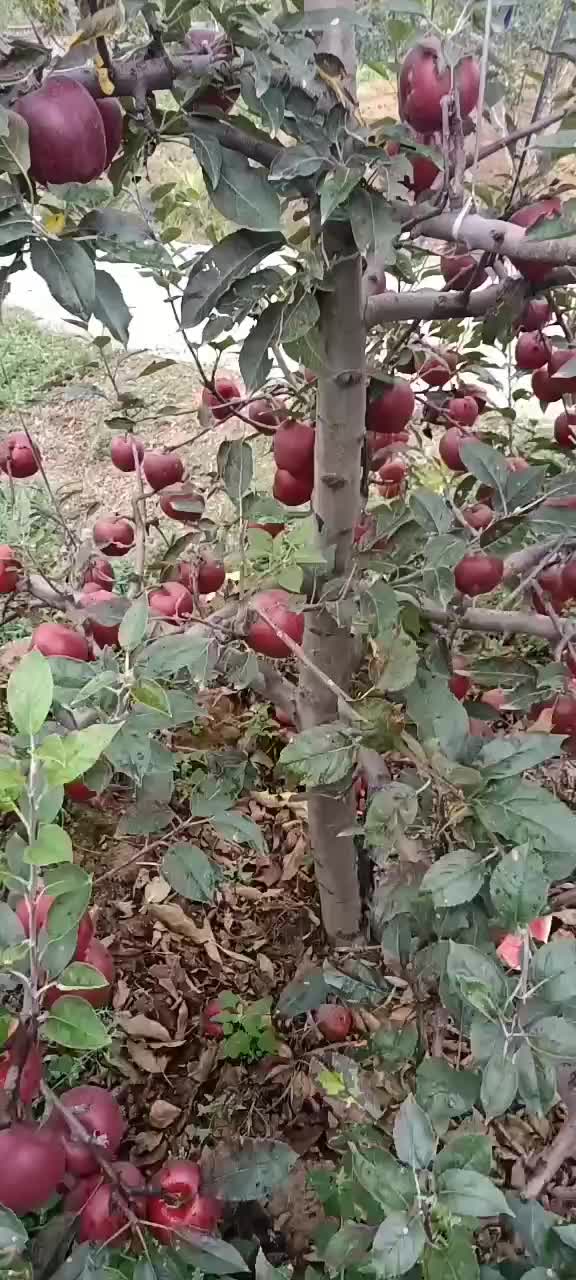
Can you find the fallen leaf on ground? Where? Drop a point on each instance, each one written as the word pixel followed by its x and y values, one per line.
pixel 143 1028
pixel 163 1113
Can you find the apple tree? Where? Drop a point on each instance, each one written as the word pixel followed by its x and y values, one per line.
pixel 413 569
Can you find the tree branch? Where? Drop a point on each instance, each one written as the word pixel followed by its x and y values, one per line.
pixel 432 304
pixel 491 621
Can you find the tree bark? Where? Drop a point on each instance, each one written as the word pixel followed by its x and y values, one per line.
pixel 340 417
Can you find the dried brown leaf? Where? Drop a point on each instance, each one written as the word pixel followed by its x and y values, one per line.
pixel 163 1113
pixel 152 1063
pixel 142 1028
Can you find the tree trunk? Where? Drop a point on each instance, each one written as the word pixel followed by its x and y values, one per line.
pixel 340 417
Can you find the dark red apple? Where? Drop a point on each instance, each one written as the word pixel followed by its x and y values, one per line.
pixel 334 1022
pixel 391 409
pixel 439 368
pixel 123 449
pixel 162 469
pixel 19 457
pixel 114 535
pixel 210 1026
pixel 292 490
pixel 103 1217
pixel 293 448
pixel 532 351
pixel 113 121
pixel 460 685
pixel 425 79
pixel 10 570
pixel 172 601
pixel 478 516
pixel 32 1166
pixel 276 605
pixel 476 574
pixel 266 413
pixel 392 476
pixel 184 1208
pixel 99 1113
pixel 98 572
pixel 183 503
pixel 224 399
pixel 91 599
pixel 565 430
pixel 449 447
pixel 462 271
pixel 462 411
pixel 536 314
pixel 56 640
pixel 66 132
pixel 531 216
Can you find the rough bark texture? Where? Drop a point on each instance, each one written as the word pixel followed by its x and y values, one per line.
pixel 336 503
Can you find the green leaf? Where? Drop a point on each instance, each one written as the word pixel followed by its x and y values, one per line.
pixel 456 877
pixel 73 1023
pixel 444 1092
pixel 244 195
pixel 206 1255
pixel 389 1183
pixel 397 1246
pixel 532 1223
pixel 519 888
pixel 69 273
pixel 476 978
pixel 303 994
pixel 532 815
pixel 30 691
pixel 148 693
pixel 13 1235
pixel 414 1137
pixel 12 782
pixel 471 1194
pixel 14 143
pixel 336 188
pixel 319 756
pixel 499 1084
pixel 214 272
pixel 471 1151
pixel 190 873
pixel 505 757
pixel 134 624
pixel 52 846
pixel 554 1038
pixel 78 977
pixel 453 1259
pixel 299 317
pixel 11 929
pixel 239 829
pixel 253 1173
pixel 399 660
pixel 486 464
pixel 235 463
pixel 207 150
pixel 190 652
pixel 374 225
pixel 438 714
pixel 299 161
pixel 110 307
pixel 65 759
pixel 72 888
pixel 255 361
pixel 536 1080
pixel 553 971
pixel 394 1045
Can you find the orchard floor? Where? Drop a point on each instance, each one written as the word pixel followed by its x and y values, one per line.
pixel 178 1092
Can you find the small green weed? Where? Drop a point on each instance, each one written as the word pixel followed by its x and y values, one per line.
pixel 32 358
pixel 248 1030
